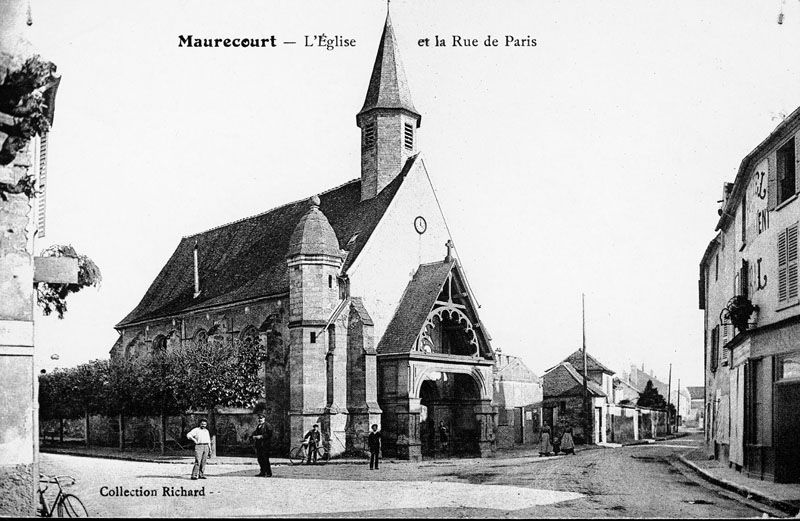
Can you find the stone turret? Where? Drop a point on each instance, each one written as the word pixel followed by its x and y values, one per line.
pixel 314 260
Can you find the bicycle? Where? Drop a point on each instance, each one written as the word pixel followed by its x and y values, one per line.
pixel 64 505
pixel 299 454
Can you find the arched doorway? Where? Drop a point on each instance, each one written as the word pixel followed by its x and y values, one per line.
pixel 448 422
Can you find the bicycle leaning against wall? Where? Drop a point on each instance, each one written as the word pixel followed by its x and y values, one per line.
pixel 64 505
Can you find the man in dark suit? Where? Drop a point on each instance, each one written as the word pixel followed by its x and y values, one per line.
pixel 374 442
pixel 263 439
pixel 313 438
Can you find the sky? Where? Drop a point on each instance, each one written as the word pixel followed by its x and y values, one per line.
pixel 591 163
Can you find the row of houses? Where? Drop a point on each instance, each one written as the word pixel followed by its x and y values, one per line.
pixel 748 291
pixel 612 414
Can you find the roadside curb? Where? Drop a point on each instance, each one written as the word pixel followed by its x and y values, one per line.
pixel 187 460
pixel 741 490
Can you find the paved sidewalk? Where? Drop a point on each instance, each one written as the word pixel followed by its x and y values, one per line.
pixel 781 496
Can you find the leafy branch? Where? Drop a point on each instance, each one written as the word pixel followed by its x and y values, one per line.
pixel 52 296
pixel 25 185
pixel 24 110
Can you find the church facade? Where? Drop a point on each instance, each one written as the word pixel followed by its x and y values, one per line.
pixel 366 313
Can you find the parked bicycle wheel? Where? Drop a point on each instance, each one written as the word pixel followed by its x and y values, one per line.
pixel 297 455
pixel 71 506
pixel 322 455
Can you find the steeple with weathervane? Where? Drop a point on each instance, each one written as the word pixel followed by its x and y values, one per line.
pixel 388 119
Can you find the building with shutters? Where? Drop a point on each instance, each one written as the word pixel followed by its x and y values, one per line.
pixel 356 292
pixel 752 356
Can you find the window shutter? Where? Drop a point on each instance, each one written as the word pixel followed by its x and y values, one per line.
pixel 782 274
pixel 791 262
pixel 713 356
pixel 772 183
pixel 41 185
pixel 743 279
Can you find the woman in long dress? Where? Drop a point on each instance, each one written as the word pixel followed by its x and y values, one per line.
pixel 567 444
pixel 545 446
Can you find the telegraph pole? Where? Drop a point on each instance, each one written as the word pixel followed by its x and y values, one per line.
pixel 678 407
pixel 669 393
pixel 587 416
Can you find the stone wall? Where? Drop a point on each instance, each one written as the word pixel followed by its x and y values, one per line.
pixel 18 442
pixel 233 429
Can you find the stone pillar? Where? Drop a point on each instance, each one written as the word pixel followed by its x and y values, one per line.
pixel 484 414
pixel 362 378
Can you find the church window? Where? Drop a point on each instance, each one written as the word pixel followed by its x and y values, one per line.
pixel 786 171
pixel 249 335
pixel 330 281
pixel 159 344
pixel 313 337
pixel 409 136
pixel 369 135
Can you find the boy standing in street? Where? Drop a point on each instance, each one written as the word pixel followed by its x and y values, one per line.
pixel 374 442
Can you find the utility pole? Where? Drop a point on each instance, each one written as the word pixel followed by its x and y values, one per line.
pixel 678 406
pixel 669 395
pixel 587 416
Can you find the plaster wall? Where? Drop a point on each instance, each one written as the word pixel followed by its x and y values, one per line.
pixel 395 250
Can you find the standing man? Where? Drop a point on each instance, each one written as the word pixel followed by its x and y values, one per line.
pixel 313 437
pixel 443 437
pixel 263 440
pixel 374 442
pixel 202 448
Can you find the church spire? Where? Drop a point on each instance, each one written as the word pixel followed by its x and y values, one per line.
pixel 388 87
pixel 388 119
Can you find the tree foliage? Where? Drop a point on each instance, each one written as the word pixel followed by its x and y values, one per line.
pixel 203 376
pixel 22 97
pixel 51 296
pixel 209 375
pixel 651 398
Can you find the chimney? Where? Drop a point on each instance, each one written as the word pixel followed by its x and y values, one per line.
pixel 196 273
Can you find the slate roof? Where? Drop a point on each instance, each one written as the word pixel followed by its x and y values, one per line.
pixel 313 234
pixel 576 359
pixel 388 87
pixel 246 259
pixel 416 303
pixel 697 393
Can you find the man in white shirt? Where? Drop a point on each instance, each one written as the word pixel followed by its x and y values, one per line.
pixel 202 448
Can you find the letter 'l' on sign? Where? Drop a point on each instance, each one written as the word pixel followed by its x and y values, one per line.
pixel 56 270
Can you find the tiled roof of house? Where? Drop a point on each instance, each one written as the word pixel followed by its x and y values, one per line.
pixel 697 393
pixel 572 373
pixel 246 259
pixel 576 359
pixel 416 303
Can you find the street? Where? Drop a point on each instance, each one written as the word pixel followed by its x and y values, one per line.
pixel 629 482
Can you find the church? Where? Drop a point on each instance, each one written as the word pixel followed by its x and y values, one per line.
pixel 355 291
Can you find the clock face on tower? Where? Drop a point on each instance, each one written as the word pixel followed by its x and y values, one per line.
pixel 420 225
